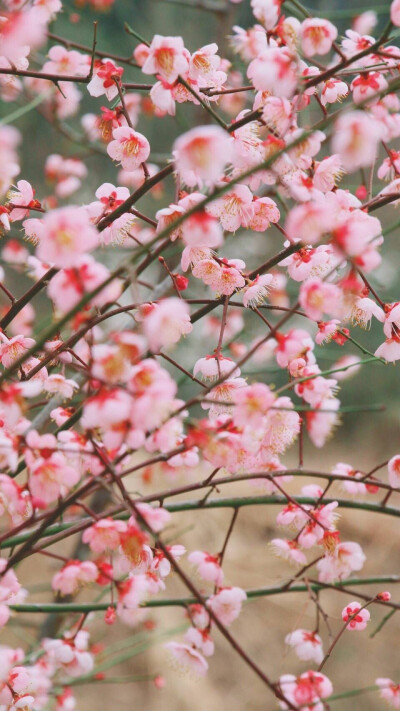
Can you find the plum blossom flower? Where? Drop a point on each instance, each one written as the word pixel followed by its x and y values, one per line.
pixel 21 200
pixel 226 604
pixel 166 322
pixel 64 61
pixel 333 90
pixel 318 297
pixel 288 550
pixel 355 139
pixel 208 567
pixel 212 367
pixel 367 85
pixel 105 80
pixel 365 22
pixel 167 58
pixel 306 690
pixel 72 656
pixel 364 309
pixel 345 558
pixel 200 640
pixel 68 287
pixel 187 658
pixel 307 645
pixel 352 487
pixel 66 235
pixel 104 535
pixel 274 70
pixel 394 471
pixel 265 211
pixel 257 291
pixel 201 155
pixel 73 576
pixel 234 208
pixel 251 404
pixel 222 276
pixel 128 147
pixel 267 12
pixel 327 172
pixel 356 617
pixel 317 36
pixel 388 690
pixel 13 349
pixel 395 12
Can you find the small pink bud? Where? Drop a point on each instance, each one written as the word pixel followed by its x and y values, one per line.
pixel 384 596
pixel 110 616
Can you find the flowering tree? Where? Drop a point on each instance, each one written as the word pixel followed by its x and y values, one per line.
pixel 135 400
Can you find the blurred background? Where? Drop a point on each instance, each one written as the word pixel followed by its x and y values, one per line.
pixel 363 440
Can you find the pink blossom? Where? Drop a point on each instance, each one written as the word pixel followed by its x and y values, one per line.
pixel 200 640
pixel 333 90
pixel 267 12
pixel 222 276
pixel 318 297
pixel 274 70
pixel 201 155
pixel 346 558
pixel 223 394
pixel 64 61
pixel 394 471
pixel 365 23
pixel 156 517
pixel 294 344
pixel 306 690
pixel 308 222
pixel 234 209
pixel 208 567
pixel 128 147
pixel 11 350
pixel 257 291
pixel 288 550
pixel 167 58
pixel 320 425
pixel 68 287
pixel 66 235
pixel 307 645
pixel 73 576
pixel 104 535
pixel 50 478
pixel 356 617
pixel 249 43
pixel 187 658
pixel 204 63
pixel 24 196
pixel 70 655
pixel 251 404
pixel 355 139
pixel 226 604
pixel 202 230
pixel 364 309
pixel 265 211
pixel 105 80
pixel 166 323
pixel 389 350
pixel 388 690
pixel 395 12
pixel 212 367
pixel 317 36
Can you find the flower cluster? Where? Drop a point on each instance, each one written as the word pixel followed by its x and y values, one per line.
pixel 191 341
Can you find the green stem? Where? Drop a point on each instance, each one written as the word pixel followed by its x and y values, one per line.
pixel 231 503
pixel 74 607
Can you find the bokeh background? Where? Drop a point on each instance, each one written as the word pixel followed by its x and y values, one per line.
pixel 364 439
